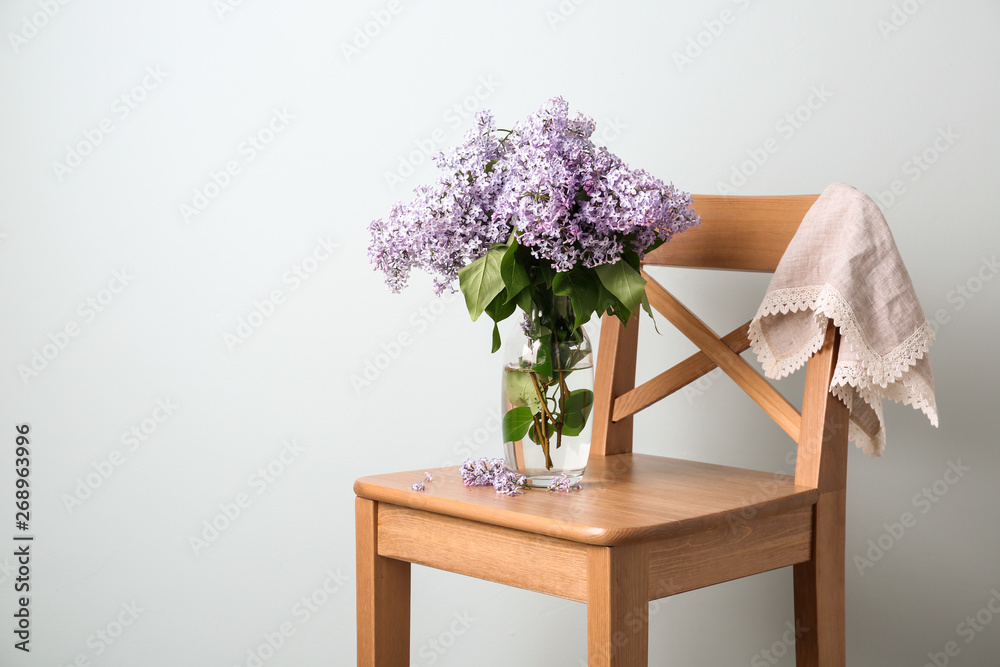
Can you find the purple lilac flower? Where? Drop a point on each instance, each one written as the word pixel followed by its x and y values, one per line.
pixel 570 202
pixel 419 486
pixel 486 472
pixel 563 483
pixel 481 472
pixel 427 477
pixel 448 224
pixel 509 483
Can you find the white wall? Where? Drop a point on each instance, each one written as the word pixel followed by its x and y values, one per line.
pixel 337 126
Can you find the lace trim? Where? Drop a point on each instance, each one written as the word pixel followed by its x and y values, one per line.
pixel 920 394
pixel 784 301
pixel 871 444
pixel 913 389
pixel 827 302
pixel 874 377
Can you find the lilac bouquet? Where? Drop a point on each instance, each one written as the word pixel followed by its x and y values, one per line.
pixel 535 217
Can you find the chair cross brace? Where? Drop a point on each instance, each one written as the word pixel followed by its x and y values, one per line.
pixel 676 377
pixel 722 354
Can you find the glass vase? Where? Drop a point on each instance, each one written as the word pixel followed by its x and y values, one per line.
pixel 547 394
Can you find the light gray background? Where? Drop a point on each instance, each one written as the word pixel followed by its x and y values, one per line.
pixel 887 80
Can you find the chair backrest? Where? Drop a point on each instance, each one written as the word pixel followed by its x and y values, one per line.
pixel 736 233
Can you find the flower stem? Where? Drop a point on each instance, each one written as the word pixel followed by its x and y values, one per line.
pixel 562 408
pixel 543 434
pixel 541 397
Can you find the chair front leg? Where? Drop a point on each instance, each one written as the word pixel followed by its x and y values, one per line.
pixel 618 606
pixel 383 596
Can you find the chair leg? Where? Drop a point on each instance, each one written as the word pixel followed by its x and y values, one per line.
pixel 383 597
pixel 820 638
pixel 618 606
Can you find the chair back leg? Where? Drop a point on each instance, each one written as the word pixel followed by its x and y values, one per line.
pixel 383 597
pixel 820 637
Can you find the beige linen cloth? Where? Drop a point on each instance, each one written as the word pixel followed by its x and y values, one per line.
pixel 842 264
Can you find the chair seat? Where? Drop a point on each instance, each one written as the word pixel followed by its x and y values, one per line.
pixel 624 498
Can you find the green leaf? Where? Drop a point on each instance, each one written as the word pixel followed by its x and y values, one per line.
pixel 649 311
pixel 624 282
pixel 480 281
pixel 656 244
pixel 580 400
pixel 500 307
pixel 549 430
pixel 512 271
pixel 543 360
pixel 523 301
pixel 608 303
pixel 546 274
pixel 583 289
pixel 516 423
pixel 520 390
pixel 576 411
pixel 499 310
pixel 633 259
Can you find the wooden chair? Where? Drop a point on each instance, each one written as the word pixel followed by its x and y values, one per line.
pixel 643 527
